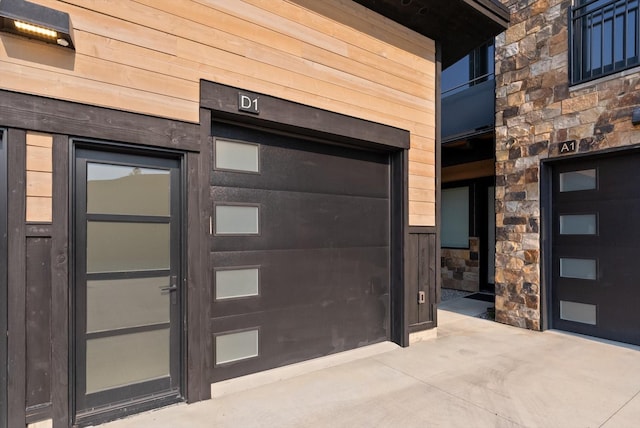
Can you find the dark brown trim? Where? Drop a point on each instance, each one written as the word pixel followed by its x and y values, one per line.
pixel 3 279
pixel 438 178
pixel 33 230
pixel 415 328
pixel 429 230
pixel 60 284
pixel 16 261
pixel 399 237
pixel 63 117
pixel 202 255
pixel 297 118
pixel 38 413
pixel 492 9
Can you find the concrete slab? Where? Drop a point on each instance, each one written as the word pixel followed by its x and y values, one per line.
pixel 475 373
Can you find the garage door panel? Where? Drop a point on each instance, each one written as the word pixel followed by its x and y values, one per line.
pixel 321 252
pixel 289 278
pixel 303 166
pixel 297 333
pixel 306 220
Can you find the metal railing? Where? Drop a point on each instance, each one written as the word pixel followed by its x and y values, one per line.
pixel 468 83
pixel 605 38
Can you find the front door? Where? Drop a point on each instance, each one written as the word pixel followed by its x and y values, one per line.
pixel 127 283
pixel 596 235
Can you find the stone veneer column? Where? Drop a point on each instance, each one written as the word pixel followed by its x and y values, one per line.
pixel 537 111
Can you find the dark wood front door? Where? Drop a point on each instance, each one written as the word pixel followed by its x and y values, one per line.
pixel 300 250
pixel 127 288
pixel 596 240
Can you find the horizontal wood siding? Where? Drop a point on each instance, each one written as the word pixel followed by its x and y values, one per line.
pixel 148 56
pixel 39 177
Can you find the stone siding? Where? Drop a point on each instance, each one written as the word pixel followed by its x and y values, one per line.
pixel 460 267
pixel 537 111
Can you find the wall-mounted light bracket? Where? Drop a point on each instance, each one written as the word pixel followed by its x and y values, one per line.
pixel 36 22
pixel 635 116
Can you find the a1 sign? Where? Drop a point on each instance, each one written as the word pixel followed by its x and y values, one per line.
pixel 248 102
pixel 568 147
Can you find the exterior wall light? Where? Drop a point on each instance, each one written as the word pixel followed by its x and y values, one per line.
pixel 36 22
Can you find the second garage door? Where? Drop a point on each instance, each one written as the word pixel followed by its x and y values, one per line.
pixel 596 206
pixel 300 249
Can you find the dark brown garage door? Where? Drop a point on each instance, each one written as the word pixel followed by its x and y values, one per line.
pixel 596 241
pixel 300 250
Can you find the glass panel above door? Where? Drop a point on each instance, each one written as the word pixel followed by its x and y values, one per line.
pixel 128 190
pixel 123 247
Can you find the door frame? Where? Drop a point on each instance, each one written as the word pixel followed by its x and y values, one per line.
pixel 3 278
pixel 121 409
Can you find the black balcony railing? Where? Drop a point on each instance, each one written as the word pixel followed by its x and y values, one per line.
pixel 605 37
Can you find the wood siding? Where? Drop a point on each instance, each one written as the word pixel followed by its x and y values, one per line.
pixel 39 177
pixel 148 56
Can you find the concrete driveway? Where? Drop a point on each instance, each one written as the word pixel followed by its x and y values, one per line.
pixel 476 373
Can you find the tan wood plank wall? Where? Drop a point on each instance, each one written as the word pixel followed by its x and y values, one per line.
pixel 148 56
pixel 39 170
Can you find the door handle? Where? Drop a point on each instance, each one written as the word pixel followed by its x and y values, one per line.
pixel 173 285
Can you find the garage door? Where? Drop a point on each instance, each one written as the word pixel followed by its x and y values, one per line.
pixel 596 240
pixel 300 250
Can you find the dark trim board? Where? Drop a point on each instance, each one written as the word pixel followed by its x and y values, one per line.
pixel 283 115
pixel 3 280
pixel 63 117
pixel 16 262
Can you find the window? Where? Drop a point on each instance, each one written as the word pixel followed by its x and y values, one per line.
pixel 478 66
pixel 605 37
pixel 455 217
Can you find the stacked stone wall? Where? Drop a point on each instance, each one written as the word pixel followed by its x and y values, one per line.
pixel 537 110
pixel 460 267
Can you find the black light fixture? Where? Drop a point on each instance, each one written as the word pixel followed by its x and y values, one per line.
pixel 36 22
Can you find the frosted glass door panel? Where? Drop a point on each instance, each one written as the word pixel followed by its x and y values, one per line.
pixel 146 355
pixel 121 303
pixel 118 189
pixel 117 247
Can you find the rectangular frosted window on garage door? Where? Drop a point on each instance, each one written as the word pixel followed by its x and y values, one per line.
pixel 237 156
pixel 578 312
pixel 578 268
pixel 237 220
pixel 236 283
pixel 236 346
pixel 574 181
pixel 578 224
